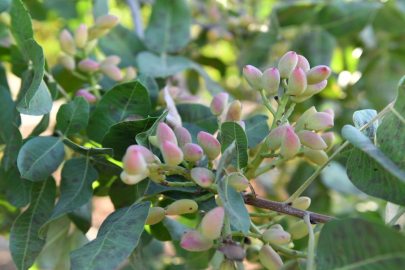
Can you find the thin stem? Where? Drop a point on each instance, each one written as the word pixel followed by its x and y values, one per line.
pixel 288 113
pixel 269 166
pixel 253 228
pixel 397 216
pixel 60 88
pixel 267 103
pixel 311 243
pixel 184 163
pixel 80 76
pixel 397 114
pixel 343 146
pixel 204 198
pixel 179 184
pixel 93 85
pixel 219 122
pixel 210 164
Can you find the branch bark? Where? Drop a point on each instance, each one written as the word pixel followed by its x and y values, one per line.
pixel 285 209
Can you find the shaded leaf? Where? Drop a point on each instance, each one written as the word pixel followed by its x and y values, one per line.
pixel 142 138
pixel 360 245
pixel 334 177
pixel 25 244
pixel 123 100
pixel 41 127
pixel 6 115
pixel 73 117
pixel 118 236
pixel 225 161
pixel 39 157
pixel 210 85
pixel 145 255
pixel 17 189
pixel 76 240
pixel 153 88
pixel 256 129
pixel 169 26
pixel 233 132
pixel 168 230
pixel 37 100
pixel 161 66
pixel 21 26
pixel 362 117
pixel 81 217
pixel 88 151
pixel 122 135
pixel 76 188
pixel 12 148
pixel 121 194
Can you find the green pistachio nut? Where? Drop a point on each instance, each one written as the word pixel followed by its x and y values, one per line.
pixel 317 157
pixel 156 215
pixel 184 206
pixel 297 82
pixel 319 121
pixel 252 253
pixel 238 181
pixel 165 133
pixel 302 203
pixel 107 21
pixel 276 236
pixel 131 179
pixel 271 80
pixel 301 121
pixel 171 153
pixel 273 140
pixel 194 240
pixel 299 230
pixel 313 89
pixel 290 144
pixel 67 62
pixel 192 152
pixel 269 258
pixel 234 111
pixel 81 36
pixel 287 64
pixel 134 162
pixel 303 63
pixel 212 223
pixel 202 176
pixel 253 76
pixel 329 139
pixel 227 265
pixel 312 140
pixel 66 42
pixel 182 135
pixel 88 66
pixel 318 74
pixel 210 145
pixel 218 103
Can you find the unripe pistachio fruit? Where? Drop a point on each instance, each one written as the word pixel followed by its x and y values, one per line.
pixel 253 76
pixel 299 99
pixel 301 121
pixel 290 144
pixel 112 72
pixel 271 80
pixel 88 66
pixel 319 121
pixel 111 60
pixel 318 157
pixel 130 179
pixel 95 32
pixel 218 201
pixel 210 145
pixel 330 111
pixel 134 162
pixel 234 111
pixel 182 135
pixel 287 64
pixel 212 222
pixel 313 89
pixel 218 103
pixel 297 82
pixel 67 62
pixel 329 139
pixel 269 258
pixel 87 95
pixel 302 203
pixel 171 153
pixel 227 265
pixel 66 42
pixel 299 230
pixel 156 215
pixel 318 74
pixel 238 181
pixel 233 252
pixel 194 240
pixel 153 141
pixel 277 227
pixel 106 21
pixel 146 153
pixel 184 206
pixel 81 36
pixel 130 74
pixel 192 152
pixel 303 63
pixel 202 176
pixel 252 253
pixel 165 133
pixel 311 140
pixel 277 237
pixel 273 140
pixel 157 177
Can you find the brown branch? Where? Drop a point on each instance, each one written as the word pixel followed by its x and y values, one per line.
pixel 284 208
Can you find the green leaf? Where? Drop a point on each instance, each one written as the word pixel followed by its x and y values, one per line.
pixel 296 13
pixel 21 25
pixel 225 161
pixel 212 86
pixel 12 148
pixel 82 217
pixel 73 117
pixel 360 245
pixel 76 188
pixel 256 129
pixel 25 244
pixel 169 26
pixel 153 88
pixel 345 18
pixel 41 127
pixel 122 135
pixel 196 118
pixel 118 236
pixel 161 67
pixel 88 151
pixel 40 157
pixel 17 189
pixel 6 115
pixel 56 238
pixel 123 100
pixel 168 230
pixel 362 117
pixel 142 138
pixel 37 100
pixel 199 260
pixel 76 240
pixel 335 178
pixel 233 132
pixel 122 42
pixel 317 46
pixel 121 194
pixel 146 256
pixel 359 140
pixel 155 188
pixel 234 206
pixel 100 7
pixel 390 18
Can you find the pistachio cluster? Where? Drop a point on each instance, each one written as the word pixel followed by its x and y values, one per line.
pixel 77 48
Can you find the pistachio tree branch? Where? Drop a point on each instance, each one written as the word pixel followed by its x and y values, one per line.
pixel 311 243
pixel 284 208
pixel 267 103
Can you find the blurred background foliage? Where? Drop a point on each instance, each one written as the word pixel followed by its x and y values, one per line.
pixel 362 41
